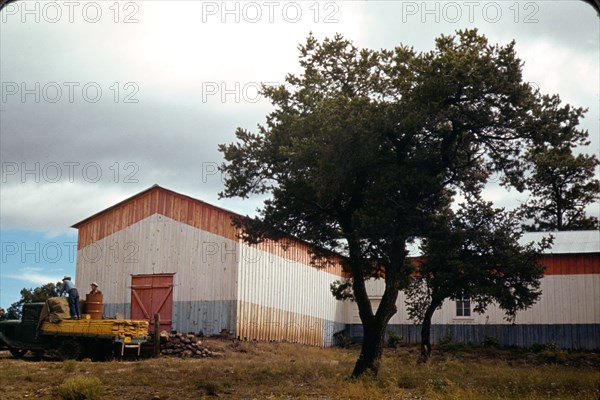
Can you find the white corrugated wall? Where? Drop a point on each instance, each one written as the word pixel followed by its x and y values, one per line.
pixel 281 299
pixel 566 299
pixel 204 267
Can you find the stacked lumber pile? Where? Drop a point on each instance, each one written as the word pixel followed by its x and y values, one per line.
pixel 129 328
pixel 108 327
pixel 184 345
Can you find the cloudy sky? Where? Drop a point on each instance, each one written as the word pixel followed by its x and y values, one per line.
pixel 101 100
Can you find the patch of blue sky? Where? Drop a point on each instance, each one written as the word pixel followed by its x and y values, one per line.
pixel 33 258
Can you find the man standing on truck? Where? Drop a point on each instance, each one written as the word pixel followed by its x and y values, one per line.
pixel 95 289
pixel 3 315
pixel 71 290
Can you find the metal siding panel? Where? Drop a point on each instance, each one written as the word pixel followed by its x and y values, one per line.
pixel 568 336
pixel 111 310
pixel 578 299
pixel 592 286
pixel 563 302
pixel 547 306
pixel 567 242
pixel 587 301
pixel 164 245
pixel 565 299
pixel 283 299
pixel 157 200
pixel 571 264
pixel 206 317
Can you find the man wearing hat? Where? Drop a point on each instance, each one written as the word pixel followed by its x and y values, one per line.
pixel 71 290
pixel 94 287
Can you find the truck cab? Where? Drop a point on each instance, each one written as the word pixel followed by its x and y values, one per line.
pixel 22 335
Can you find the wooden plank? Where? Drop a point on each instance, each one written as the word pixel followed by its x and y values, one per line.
pixel 140 304
pixel 98 327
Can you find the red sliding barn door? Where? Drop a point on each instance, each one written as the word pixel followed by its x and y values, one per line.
pixel 151 294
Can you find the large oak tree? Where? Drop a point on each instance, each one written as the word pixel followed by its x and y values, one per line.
pixel 363 146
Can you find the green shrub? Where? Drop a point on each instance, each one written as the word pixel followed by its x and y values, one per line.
pixel 445 341
pixel 538 347
pixel 394 340
pixel 490 341
pixel 559 356
pixel 80 388
pixel 70 365
pixel 211 388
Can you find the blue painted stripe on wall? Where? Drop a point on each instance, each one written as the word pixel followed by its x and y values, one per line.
pixel 568 336
pixel 111 310
pixel 211 317
pixel 330 328
pixel 206 317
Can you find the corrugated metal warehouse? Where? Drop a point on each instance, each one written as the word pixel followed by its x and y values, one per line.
pixel 567 313
pixel 162 252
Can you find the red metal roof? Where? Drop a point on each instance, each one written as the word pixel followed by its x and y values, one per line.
pixel 184 209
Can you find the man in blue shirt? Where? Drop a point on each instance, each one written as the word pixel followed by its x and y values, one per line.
pixel 71 290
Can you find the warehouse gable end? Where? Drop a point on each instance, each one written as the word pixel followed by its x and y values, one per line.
pixel 189 211
pixel 267 291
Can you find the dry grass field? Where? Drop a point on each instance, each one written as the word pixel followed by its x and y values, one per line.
pixel 288 371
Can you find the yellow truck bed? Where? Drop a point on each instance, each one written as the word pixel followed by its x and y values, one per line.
pixel 94 327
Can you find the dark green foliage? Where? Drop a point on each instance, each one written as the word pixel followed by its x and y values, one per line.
pixel 39 294
pixel 394 340
pixel 561 183
pixel 490 341
pixel 539 347
pixel 550 352
pixel 342 290
pixel 475 253
pixel 364 147
pixel 445 341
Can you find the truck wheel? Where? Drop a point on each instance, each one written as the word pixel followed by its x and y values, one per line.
pixel 102 351
pixel 18 353
pixel 38 353
pixel 69 350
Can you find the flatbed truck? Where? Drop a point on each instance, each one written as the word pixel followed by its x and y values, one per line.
pixel 71 339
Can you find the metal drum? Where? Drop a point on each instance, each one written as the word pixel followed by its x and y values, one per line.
pixel 93 305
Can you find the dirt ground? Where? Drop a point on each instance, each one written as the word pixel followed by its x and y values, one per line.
pixel 247 370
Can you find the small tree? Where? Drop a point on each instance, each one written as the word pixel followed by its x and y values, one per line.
pixel 39 294
pixel 561 183
pixel 474 253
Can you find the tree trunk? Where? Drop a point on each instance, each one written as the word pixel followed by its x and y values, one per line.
pixel 375 324
pixel 371 350
pixel 426 333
